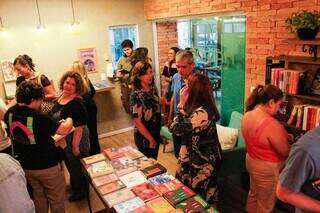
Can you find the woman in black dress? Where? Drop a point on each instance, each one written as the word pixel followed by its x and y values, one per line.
pixel 200 154
pixel 145 110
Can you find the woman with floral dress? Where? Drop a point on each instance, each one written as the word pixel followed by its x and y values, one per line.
pixel 200 154
pixel 145 110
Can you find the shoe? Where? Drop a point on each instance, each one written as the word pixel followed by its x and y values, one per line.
pixel 77 197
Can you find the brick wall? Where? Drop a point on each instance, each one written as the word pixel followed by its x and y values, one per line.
pixel 265 26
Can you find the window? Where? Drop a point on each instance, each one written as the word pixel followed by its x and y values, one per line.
pixel 117 35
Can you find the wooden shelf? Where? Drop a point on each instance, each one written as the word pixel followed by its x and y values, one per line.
pixel 297 59
pixel 310 46
pixel 297 41
pixel 306 97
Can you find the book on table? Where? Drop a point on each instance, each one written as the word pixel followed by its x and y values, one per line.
pixel 154 170
pixel 118 197
pixel 111 187
pixel 160 179
pixel 169 186
pixel 143 209
pixel 114 153
pixel 144 162
pixel 160 205
pixel 102 180
pixel 99 168
pixel 210 210
pixel 129 205
pixel 133 179
pixel 179 195
pixel 121 169
pixel 133 154
pixel 94 158
pixel 145 191
pixel 193 204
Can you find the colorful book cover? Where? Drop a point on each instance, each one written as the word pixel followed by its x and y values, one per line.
pixel 168 186
pixel 144 162
pixel 94 158
pixel 129 205
pixel 113 153
pixel 126 161
pixel 154 170
pixel 143 209
pixel 160 179
pixel 118 197
pixel 133 154
pixel 121 169
pixel 99 168
pixel 178 195
pixel 145 191
pixel 160 205
pixel 193 204
pixel 111 187
pixel 133 179
pixel 99 181
pixel 210 210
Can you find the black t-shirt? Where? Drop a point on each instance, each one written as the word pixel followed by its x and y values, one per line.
pixel 32 139
pixel 74 109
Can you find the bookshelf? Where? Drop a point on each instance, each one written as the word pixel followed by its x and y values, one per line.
pixel 310 46
pixel 303 94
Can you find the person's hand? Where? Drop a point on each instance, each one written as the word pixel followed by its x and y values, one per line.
pixel 184 94
pixel 75 150
pixel 162 101
pixel 152 144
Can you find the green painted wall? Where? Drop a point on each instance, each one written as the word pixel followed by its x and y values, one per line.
pixel 232 74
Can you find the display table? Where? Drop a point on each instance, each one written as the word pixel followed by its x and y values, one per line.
pixel 103 86
pixel 126 181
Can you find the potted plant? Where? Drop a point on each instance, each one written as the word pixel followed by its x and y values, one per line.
pixel 305 23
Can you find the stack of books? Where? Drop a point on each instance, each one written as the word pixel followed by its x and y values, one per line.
pixel 286 79
pixel 130 182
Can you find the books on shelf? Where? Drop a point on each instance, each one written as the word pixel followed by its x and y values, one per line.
pixel 133 179
pixel 111 187
pixel 160 205
pixel 193 204
pixel 305 117
pixel 181 194
pixel 286 79
pixel 94 158
pixel 129 205
pixel 145 191
pixel 102 180
pixel 118 197
pixel 154 170
pixel 99 168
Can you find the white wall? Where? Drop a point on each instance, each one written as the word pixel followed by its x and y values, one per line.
pixel 54 50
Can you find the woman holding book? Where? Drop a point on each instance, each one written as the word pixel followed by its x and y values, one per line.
pixel 70 104
pixel 145 110
pixel 200 154
pixel 267 146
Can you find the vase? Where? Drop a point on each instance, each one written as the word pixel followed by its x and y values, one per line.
pixel 307 34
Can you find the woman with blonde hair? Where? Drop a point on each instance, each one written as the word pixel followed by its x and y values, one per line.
pixel 267 146
pixel 145 110
pixel 70 104
pixel 91 108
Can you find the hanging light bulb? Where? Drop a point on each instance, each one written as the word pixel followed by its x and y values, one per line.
pixel 2 28
pixel 40 26
pixel 74 22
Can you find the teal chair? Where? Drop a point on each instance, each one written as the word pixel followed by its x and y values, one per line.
pixel 166 136
pixel 234 160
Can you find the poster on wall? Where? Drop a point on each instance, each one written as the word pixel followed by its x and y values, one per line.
pixel 8 70
pixel 87 57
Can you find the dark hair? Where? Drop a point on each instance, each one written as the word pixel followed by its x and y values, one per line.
pixel 138 70
pixel 140 54
pixel 24 60
pixel 175 49
pixel 201 94
pixel 81 87
pixel 262 95
pixel 19 80
pixel 126 43
pixel 28 91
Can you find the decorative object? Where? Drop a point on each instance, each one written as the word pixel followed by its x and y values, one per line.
pixel 40 27
pixel 74 21
pixel 87 56
pixel 8 70
pixel 305 23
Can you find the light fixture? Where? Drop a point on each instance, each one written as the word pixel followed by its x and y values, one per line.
pixel 74 21
pixel 2 28
pixel 40 26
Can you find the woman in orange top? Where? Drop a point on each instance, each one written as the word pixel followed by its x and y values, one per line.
pixel 267 146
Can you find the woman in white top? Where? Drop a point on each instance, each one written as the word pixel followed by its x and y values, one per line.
pixel 5 144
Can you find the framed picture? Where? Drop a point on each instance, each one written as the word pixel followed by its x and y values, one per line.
pixel 87 57
pixel 8 70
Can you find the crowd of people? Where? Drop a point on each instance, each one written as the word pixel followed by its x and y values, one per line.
pixel 38 112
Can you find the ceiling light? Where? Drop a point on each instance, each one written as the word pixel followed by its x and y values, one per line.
pixel 40 26
pixel 74 21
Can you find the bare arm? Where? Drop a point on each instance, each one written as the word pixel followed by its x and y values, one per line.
pixel 143 130
pixel 50 92
pixel 279 139
pixel 77 135
pixel 171 114
pixel 297 199
pixel 65 127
